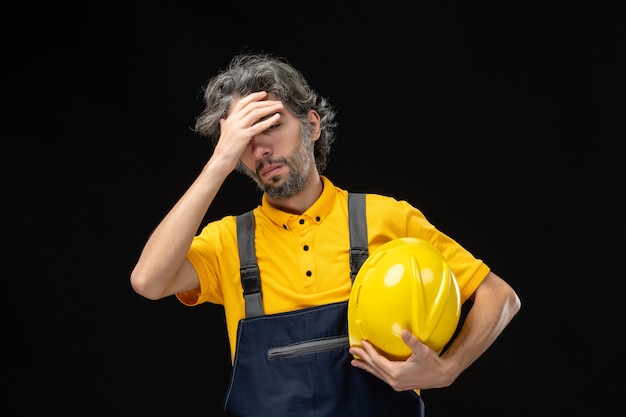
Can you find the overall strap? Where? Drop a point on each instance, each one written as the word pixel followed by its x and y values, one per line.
pixel 249 269
pixel 358 232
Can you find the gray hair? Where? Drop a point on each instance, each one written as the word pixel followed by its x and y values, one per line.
pixel 248 73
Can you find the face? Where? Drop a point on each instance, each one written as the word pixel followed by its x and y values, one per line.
pixel 281 158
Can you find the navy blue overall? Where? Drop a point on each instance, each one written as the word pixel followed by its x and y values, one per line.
pixel 297 363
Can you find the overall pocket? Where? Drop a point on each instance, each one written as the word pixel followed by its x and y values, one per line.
pixel 307 347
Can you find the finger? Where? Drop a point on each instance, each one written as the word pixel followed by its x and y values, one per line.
pixel 244 101
pixel 357 351
pixel 375 358
pixel 416 346
pixel 245 106
pixel 368 347
pixel 369 360
pixel 361 361
pixel 263 112
pixel 265 123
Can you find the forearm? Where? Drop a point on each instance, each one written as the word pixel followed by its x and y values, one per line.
pixel 494 306
pixel 158 272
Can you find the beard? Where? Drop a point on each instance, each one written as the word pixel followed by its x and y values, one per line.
pixel 299 163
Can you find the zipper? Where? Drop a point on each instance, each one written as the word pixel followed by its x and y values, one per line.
pixel 308 347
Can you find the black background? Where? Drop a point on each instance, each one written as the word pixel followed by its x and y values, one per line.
pixel 503 123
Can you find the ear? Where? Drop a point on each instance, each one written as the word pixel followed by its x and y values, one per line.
pixel 315 121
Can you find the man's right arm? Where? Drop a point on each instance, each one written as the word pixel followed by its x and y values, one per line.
pixel 163 269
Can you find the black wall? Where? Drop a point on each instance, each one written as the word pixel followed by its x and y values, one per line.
pixel 501 122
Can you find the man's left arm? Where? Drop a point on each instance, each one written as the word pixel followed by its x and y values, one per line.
pixel 495 304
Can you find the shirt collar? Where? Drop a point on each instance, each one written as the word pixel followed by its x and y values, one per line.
pixel 316 213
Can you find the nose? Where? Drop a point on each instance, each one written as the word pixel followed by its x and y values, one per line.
pixel 260 147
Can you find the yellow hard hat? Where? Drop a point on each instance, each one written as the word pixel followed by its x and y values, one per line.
pixel 404 284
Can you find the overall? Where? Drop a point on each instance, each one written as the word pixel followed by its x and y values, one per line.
pixel 297 363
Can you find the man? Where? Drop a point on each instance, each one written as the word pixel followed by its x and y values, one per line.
pixel 268 123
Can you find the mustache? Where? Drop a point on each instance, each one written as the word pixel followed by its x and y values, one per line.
pixel 268 161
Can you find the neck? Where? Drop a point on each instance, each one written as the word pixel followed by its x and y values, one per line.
pixel 300 202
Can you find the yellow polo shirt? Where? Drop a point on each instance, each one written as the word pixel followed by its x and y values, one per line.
pixel 304 259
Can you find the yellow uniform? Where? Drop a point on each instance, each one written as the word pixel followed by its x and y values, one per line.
pixel 304 259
